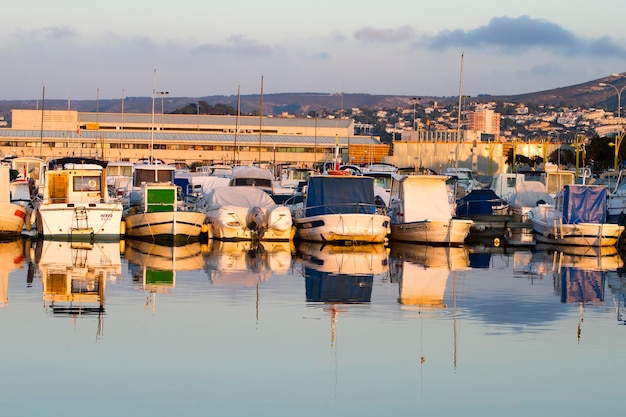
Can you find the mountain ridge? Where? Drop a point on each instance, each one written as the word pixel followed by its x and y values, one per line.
pixel 588 94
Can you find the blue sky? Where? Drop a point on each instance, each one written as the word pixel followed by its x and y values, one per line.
pixel 82 50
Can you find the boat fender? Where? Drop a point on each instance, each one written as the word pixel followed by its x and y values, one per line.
pixel 122 228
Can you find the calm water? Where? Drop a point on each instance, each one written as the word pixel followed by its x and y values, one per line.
pixel 309 330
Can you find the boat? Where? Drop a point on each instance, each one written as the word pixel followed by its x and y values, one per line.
pixel 155 213
pixel 12 212
pixel 465 180
pixel 76 204
pixel 527 194
pixel 247 213
pixel 119 179
pixel 341 208
pixel 490 214
pixel 577 218
pixel 420 211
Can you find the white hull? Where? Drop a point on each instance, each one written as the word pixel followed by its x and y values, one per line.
pixel 69 221
pixel 230 223
pixel 349 227
pixel 449 232
pixel 165 225
pixel 548 228
pixel 11 219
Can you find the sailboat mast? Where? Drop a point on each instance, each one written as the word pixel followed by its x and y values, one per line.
pixel 152 124
pixel 458 123
pixel 237 123
pixel 43 100
pixel 261 121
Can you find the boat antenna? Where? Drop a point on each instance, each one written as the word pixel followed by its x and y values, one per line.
pixel 458 123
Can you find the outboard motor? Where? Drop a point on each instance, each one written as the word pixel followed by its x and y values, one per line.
pixel 255 222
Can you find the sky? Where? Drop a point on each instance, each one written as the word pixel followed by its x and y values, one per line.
pixel 85 50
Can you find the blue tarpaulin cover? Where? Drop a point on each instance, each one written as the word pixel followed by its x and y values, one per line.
pixel 584 204
pixel 339 194
pixel 479 201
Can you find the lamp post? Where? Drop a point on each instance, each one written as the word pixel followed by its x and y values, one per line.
pixel 620 135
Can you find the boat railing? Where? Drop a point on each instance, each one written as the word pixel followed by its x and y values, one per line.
pixel 348 208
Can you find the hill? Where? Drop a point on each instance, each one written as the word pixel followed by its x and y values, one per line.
pixel 588 94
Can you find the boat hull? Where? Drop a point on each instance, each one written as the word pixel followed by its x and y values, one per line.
pixel 232 223
pixel 347 227
pixel 11 219
pixel 548 228
pixel 167 226
pixel 439 232
pixel 78 222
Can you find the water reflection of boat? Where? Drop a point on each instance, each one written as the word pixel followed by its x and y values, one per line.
pixel 423 272
pixel 341 274
pixel 74 276
pixel 245 263
pixel 11 257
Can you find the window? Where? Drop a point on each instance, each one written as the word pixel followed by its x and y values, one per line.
pixel 87 183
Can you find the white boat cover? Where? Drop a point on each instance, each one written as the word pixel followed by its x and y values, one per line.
pixel 239 197
pixel 528 193
pixel 425 197
pixel 208 183
pixel 252 172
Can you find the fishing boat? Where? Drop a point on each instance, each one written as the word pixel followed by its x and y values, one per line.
pixel 155 213
pixel 342 209
pixel 76 204
pixel 577 218
pixel 247 213
pixel 420 211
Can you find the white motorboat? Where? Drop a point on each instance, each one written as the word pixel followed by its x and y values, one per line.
pixel 76 205
pixel 341 208
pixel 247 213
pixel 420 211
pixel 577 218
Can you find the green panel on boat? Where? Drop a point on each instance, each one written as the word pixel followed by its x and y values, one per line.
pixel 161 200
pixel 159 277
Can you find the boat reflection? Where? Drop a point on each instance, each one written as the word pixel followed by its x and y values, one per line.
pixel 423 271
pixel 344 274
pixel 154 266
pixel 245 263
pixel 337 275
pixel 11 257
pixel 579 273
pixel 74 276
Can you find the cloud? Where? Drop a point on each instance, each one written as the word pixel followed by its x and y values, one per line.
pixel 369 34
pixel 514 35
pixel 48 33
pixel 237 44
